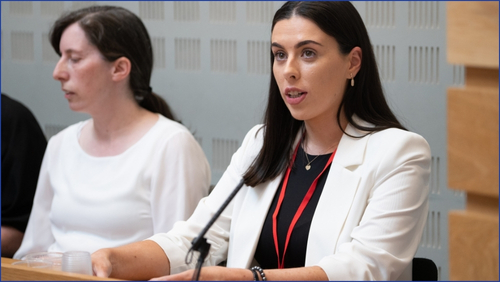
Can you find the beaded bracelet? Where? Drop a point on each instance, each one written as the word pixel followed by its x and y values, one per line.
pixel 255 275
pixel 260 271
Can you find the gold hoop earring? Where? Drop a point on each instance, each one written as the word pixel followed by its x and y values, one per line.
pixel 352 80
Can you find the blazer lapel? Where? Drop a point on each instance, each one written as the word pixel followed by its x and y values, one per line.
pixel 248 224
pixel 337 197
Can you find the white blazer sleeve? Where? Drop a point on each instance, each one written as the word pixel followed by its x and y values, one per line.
pixel 177 242
pixel 396 175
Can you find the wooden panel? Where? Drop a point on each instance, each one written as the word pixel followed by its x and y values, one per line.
pixel 472 35
pixel 22 273
pixel 473 140
pixel 473 246
pixel 482 204
pixel 483 78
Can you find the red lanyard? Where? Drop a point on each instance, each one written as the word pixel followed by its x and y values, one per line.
pixel 305 201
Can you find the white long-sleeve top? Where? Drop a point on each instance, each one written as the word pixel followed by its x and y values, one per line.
pixel 86 203
pixel 367 224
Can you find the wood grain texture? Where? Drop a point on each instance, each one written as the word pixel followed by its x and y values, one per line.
pixel 473 140
pixel 472 39
pixel 482 204
pixel 473 246
pixel 22 273
pixel 482 78
pixel 472 35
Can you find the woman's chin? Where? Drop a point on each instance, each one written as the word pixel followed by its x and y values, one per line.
pixel 76 108
pixel 298 115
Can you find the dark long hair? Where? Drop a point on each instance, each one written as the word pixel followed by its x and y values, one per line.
pixel 117 33
pixel 365 100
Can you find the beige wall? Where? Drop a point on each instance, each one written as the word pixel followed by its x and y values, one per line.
pixel 473 128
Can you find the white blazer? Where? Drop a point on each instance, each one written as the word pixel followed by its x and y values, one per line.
pixel 367 224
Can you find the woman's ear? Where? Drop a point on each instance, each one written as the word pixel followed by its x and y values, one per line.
pixel 355 58
pixel 121 69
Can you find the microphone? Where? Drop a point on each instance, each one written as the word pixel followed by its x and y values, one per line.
pixel 200 243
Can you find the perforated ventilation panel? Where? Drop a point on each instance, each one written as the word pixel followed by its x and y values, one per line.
pixel 423 64
pixel 223 55
pixel 458 75
pixel 259 12
pixel 386 58
pixel 258 57
pixel 188 11
pixel 52 9
pixel 152 10
pixel 187 54
pixel 423 14
pixel 159 52
pixel 21 8
pixel 222 12
pixel 380 14
pixel 223 150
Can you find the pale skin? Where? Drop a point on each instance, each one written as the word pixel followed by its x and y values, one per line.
pixel 100 88
pixel 146 259
pixel 306 60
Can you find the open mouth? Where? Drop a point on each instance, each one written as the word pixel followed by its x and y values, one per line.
pixel 295 94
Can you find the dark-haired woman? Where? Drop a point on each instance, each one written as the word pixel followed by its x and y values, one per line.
pixel 335 187
pixel 128 172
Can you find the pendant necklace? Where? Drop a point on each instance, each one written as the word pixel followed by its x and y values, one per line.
pixel 308 165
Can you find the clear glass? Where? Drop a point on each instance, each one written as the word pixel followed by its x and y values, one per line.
pixel 77 262
pixel 33 263
pixel 54 257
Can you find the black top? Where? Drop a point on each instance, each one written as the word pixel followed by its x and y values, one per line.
pixel 299 182
pixel 23 146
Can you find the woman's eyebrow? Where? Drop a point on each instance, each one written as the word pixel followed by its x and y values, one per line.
pixel 72 51
pixel 274 44
pixel 305 42
pixel 298 45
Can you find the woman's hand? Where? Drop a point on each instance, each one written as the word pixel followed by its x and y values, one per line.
pixel 211 273
pixel 220 273
pixel 137 261
pixel 101 264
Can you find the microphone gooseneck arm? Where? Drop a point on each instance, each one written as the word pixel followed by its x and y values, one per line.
pixel 200 243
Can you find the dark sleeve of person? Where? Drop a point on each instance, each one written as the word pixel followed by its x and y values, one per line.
pixel 23 147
